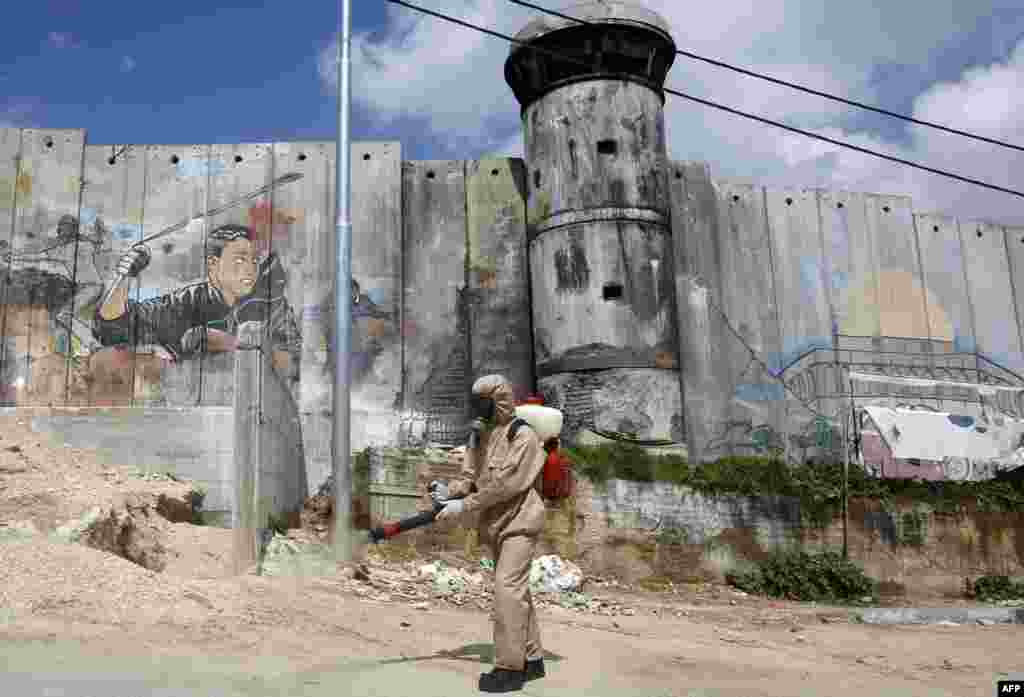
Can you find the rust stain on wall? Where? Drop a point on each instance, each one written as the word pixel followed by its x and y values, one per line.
pixel 23 186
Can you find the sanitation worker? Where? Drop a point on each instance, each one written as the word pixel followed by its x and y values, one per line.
pixel 500 479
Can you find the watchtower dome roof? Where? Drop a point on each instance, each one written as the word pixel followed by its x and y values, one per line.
pixel 613 40
pixel 596 12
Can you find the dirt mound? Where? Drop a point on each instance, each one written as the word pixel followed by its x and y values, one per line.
pixel 74 496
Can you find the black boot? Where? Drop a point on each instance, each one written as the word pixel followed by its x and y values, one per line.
pixel 535 669
pixel 502 680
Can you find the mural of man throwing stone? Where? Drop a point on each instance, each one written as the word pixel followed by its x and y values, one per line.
pixel 204 316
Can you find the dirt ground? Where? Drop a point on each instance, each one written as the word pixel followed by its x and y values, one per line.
pixel 137 586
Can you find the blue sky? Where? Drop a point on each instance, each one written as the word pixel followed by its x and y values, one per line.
pixel 189 72
pixel 182 72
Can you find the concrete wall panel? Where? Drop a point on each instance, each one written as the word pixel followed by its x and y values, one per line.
pixel 747 274
pixel 302 223
pixel 697 260
pixel 377 268
pixel 112 220
pixel 436 363
pixel 1015 253
pixel 42 267
pixel 991 293
pixel 901 297
pixel 500 323
pixel 852 272
pixel 10 150
pixel 949 310
pixel 801 275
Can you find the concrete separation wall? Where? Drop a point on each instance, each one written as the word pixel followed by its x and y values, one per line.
pixel 442 289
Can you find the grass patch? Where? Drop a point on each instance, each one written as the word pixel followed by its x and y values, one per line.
pixel 818 486
pixel 798 575
pixel 995 588
pixel 655 584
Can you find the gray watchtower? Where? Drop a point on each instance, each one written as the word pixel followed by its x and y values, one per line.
pixel 604 317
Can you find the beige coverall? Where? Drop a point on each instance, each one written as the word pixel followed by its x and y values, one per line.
pixel 501 480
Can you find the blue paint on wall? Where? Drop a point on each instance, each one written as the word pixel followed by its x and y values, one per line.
pixel 127 232
pixel 149 292
pixel 964 344
pixel 761 392
pixel 195 167
pixel 793 348
pixel 811 287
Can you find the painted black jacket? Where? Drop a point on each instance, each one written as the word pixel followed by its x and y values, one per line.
pixel 166 319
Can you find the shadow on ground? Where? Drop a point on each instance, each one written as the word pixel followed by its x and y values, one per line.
pixel 477 653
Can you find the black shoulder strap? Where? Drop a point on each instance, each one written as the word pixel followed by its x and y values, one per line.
pixel 513 429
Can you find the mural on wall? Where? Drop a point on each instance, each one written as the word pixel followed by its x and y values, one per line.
pixel 85 317
pixel 40 296
pixel 374 330
pixel 878 459
pixel 204 316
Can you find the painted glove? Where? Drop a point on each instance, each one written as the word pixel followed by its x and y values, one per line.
pixel 134 261
pixel 452 508
pixel 438 491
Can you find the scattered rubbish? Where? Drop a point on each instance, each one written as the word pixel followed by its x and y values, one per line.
pixel 552 574
pixel 448 581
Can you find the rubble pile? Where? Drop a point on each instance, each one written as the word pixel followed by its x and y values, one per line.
pixel 554 582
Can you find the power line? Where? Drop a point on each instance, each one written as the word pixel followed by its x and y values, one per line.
pixel 715 105
pixel 801 88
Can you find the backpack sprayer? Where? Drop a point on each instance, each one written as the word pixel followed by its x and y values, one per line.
pixel 546 423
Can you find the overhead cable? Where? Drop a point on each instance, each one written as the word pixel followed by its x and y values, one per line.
pixel 801 88
pixel 715 105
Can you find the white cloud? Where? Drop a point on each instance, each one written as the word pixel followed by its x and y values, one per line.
pixel 127 64
pixel 452 79
pixel 62 39
pixel 986 100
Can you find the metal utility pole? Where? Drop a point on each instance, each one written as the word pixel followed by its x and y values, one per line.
pixel 341 454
